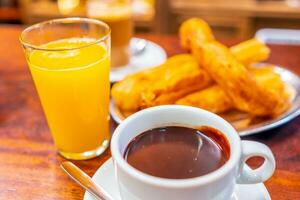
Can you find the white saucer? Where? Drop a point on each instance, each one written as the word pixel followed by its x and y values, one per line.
pixel 152 55
pixel 105 177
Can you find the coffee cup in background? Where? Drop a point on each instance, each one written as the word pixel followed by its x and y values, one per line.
pixel 118 15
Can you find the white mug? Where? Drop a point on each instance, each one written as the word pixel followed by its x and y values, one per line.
pixel 217 185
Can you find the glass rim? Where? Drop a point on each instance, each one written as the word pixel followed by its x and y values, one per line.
pixel 59 20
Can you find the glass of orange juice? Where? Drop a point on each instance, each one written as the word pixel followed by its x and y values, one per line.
pixel 69 60
pixel 118 15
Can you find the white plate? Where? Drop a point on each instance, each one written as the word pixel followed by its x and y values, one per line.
pixel 152 55
pixel 105 176
pixel 287 76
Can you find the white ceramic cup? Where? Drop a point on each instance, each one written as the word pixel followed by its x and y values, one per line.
pixel 217 185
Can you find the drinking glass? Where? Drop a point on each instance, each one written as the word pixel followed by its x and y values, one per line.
pixel 69 60
pixel 118 15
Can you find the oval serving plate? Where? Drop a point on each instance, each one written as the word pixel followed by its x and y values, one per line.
pixel 237 119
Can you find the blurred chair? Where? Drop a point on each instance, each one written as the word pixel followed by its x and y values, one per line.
pixel 149 15
pixel 224 16
pixel 238 18
pixel 33 11
pixel 9 12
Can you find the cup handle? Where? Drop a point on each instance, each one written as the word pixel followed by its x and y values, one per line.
pixel 263 172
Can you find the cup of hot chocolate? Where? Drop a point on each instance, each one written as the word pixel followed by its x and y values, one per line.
pixel 181 152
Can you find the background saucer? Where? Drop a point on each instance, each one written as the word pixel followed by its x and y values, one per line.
pixel 152 55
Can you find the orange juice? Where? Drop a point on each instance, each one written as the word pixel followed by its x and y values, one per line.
pixel 73 86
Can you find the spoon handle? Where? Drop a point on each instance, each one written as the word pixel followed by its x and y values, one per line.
pixel 85 181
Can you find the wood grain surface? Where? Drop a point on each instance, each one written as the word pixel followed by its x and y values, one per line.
pixel 29 164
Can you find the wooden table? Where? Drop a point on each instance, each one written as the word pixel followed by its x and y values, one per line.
pixel 29 164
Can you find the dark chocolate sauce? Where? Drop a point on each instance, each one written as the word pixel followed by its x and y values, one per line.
pixel 178 152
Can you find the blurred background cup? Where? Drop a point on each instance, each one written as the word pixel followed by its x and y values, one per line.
pixel 69 60
pixel 118 15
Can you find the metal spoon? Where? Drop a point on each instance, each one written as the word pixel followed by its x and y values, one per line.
pixel 85 181
pixel 137 46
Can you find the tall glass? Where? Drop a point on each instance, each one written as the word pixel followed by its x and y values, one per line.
pixel 69 60
pixel 118 15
